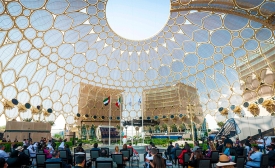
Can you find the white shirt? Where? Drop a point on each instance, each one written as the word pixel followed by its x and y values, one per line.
pixel 261 142
pixel 32 151
pixel 50 148
pixel 149 157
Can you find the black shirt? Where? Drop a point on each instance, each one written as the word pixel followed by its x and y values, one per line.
pixel 227 140
pixel 247 143
pixel 271 158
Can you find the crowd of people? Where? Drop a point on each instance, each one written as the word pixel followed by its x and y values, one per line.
pixel 18 157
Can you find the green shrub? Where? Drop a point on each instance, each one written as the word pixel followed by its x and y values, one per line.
pixel 8 145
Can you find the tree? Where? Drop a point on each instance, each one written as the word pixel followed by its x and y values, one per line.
pixel 220 124
pixel 57 136
pixel 164 127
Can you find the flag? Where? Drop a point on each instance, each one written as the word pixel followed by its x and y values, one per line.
pixel 106 101
pixel 139 101
pixel 118 102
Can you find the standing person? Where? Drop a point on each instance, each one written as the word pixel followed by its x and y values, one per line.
pixel 158 162
pixel 70 157
pixel 260 143
pixel 168 151
pixel 254 158
pixel 237 141
pixel 248 144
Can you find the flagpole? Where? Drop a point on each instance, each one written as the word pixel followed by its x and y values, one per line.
pixel 110 122
pixel 143 134
pixel 120 109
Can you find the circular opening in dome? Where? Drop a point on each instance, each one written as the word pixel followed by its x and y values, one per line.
pixel 137 19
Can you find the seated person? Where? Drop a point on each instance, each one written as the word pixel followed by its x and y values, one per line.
pixel 195 158
pixel 3 154
pixel 211 148
pixel 3 163
pixel 254 158
pixel 271 155
pixel 158 162
pixel 79 161
pixel 116 150
pixel 70 157
pixel 47 152
pixel 134 151
pixel 95 147
pixel 227 151
pixel 224 162
pixel 149 157
pixel 173 151
pixel 55 158
pixel 79 150
pixel 185 150
pixel 103 153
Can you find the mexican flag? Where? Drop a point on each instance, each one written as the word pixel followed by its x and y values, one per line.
pixel 106 101
pixel 118 102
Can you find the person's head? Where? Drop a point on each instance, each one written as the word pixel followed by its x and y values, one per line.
pixel 255 148
pixel 154 151
pixel 3 163
pixel 130 144
pixel 55 154
pixel 67 146
pixel 95 145
pixel 150 143
pixel 2 147
pixel 170 142
pixel 270 147
pixel 196 143
pixel 249 137
pixel 158 162
pixel 79 149
pixel 80 160
pixel 228 145
pixel 187 147
pixel 224 161
pixel 103 153
pixel 80 144
pixel 212 146
pixel 176 145
pixel 198 154
pixel 124 146
pixel 116 149
pixel 153 145
pixel 237 138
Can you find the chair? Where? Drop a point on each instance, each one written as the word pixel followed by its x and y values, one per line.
pixel 205 163
pixel 63 154
pixel 177 153
pixel 118 158
pixel 264 161
pixel 160 154
pixel 126 153
pixel 27 152
pixel 53 164
pixel 131 151
pixel 104 164
pixel 40 159
pixel 214 157
pixel 186 158
pixel 107 150
pixel 94 154
pixel 244 152
pixel 40 151
pixel 240 161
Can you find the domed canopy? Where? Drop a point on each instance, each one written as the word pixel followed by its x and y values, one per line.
pixel 224 49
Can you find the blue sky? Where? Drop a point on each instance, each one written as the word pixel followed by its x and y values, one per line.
pixel 137 19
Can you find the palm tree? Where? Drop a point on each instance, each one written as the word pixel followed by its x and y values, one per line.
pixel 164 127
pixel 87 131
